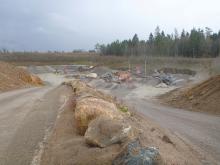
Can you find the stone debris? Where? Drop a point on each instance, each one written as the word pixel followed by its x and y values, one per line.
pixel 134 154
pixel 110 77
pixel 85 68
pixel 123 75
pixel 118 77
pixel 92 75
pixel 162 85
pixel 166 79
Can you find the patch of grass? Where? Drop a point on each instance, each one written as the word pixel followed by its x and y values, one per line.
pixel 123 109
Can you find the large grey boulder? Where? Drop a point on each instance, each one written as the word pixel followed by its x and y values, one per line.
pixel 134 154
pixel 104 131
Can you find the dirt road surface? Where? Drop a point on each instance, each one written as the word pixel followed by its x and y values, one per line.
pixel 200 130
pixel 26 117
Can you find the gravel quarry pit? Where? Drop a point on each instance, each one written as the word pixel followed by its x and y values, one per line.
pixel 162 125
pixel 146 103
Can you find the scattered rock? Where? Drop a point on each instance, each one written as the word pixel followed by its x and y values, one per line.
pixel 123 75
pixel 89 108
pixel 134 154
pixel 82 90
pixel 166 139
pixel 152 129
pixel 84 68
pixel 79 85
pixel 109 77
pixel 162 85
pixel 92 75
pixel 104 131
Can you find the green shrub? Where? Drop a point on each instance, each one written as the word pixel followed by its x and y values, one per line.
pixel 123 109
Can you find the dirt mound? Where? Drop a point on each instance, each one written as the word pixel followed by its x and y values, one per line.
pixel 12 77
pixel 202 97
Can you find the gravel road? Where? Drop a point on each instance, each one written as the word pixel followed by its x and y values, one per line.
pixel 202 131
pixel 26 117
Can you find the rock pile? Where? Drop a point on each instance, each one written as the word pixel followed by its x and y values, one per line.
pixel 118 77
pixel 135 154
pixel 97 117
pixel 103 124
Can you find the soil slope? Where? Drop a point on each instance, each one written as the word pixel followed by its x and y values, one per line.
pixel 12 77
pixel 202 97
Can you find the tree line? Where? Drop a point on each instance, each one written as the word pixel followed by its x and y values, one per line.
pixel 196 43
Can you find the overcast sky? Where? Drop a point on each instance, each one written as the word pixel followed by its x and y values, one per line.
pixel 80 24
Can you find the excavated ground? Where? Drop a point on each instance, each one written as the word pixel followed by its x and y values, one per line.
pixel 203 97
pixel 12 77
pixel 65 146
